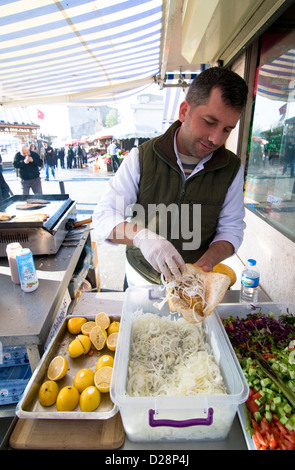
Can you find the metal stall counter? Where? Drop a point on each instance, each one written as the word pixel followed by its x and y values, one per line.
pixel 108 434
pixel 27 318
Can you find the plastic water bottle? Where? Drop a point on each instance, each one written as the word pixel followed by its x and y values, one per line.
pixel 249 283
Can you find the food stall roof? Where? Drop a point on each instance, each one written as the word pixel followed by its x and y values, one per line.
pixel 77 51
pixel 85 52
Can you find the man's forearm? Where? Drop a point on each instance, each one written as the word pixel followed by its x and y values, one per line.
pixel 217 252
pixel 124 233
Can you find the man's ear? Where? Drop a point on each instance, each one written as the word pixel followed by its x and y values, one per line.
pixel 184 109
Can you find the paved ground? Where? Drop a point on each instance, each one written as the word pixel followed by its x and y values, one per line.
pixel 85 187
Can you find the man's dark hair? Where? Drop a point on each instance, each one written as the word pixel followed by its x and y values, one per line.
pixel 234 90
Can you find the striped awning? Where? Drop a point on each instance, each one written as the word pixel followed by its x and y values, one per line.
pixel 80 52
pixel 276 79
pixel 174 95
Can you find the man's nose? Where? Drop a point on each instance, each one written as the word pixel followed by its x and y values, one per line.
pixel 216 136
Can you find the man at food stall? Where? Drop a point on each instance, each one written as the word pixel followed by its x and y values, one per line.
pixel 178 197
pixel 27 163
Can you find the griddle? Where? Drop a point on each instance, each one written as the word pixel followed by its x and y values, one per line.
pixel 40 237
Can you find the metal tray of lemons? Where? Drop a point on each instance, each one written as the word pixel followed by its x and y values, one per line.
pixel 72 380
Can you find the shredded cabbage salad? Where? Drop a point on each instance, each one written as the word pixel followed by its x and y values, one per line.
pixel 170 357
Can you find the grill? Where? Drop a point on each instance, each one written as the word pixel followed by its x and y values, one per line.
pixel 40 237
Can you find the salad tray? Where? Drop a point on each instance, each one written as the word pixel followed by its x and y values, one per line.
pixel 242 310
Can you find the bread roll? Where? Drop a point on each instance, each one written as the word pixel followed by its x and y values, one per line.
pixel 197 295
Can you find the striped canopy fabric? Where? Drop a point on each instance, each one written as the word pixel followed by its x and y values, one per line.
pixel 277 78
pixel 174 95
pixel 79 52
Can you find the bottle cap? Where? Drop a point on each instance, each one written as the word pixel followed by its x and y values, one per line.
pixel 251 262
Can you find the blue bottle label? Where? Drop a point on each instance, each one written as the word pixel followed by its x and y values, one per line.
pixel 250 281
pixel 26 269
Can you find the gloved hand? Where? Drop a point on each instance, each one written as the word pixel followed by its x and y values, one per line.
pixel 160 253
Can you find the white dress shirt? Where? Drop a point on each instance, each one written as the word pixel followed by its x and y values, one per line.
pixel 122 190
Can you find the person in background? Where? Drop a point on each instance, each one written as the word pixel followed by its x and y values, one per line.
pixel 42 155
pixel 113 151
pixel 79 156
pixel 70 157
pixel 28 163
pixel 50 161
pixel 5 191
pixel 188 169
pixel 289 158
pixel 61 157
pixel 84 156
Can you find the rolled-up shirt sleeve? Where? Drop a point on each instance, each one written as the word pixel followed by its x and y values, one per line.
pixel 231 223
pixel 121 193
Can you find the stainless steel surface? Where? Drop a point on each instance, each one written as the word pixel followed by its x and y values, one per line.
pixel 40 237
pixel 29 406
pixel 26 318
pixel 233 296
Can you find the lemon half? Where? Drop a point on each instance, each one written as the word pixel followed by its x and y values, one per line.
pixel 67 399
pixel 104 361
pixel 102 319
pixel 48 393
pixel 83 379
pixel 98 337
pixel 75 325
pixel 58 368
pixel 102 379
pixel 112 341
pixel 80 345
pixel 90 399
pixel 114 327
pixel 87 327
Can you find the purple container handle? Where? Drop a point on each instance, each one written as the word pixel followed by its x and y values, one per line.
pixel 181 424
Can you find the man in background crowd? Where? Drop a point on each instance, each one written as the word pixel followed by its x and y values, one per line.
pixel 113 151
pixel 27 163
pixel 50 161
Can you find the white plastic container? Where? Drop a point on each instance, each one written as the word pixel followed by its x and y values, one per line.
pixel 12 249
pixel 170 418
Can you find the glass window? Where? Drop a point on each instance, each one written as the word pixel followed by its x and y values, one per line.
pixel 270 181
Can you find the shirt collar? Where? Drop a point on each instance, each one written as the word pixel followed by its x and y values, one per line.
pixel 200 165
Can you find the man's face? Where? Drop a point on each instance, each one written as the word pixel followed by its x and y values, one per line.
pixel 205 128
pixel 25 152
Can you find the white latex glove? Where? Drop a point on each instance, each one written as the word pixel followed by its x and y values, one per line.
pixel 160 253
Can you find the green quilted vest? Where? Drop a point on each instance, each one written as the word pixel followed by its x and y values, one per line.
pixel 174 207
